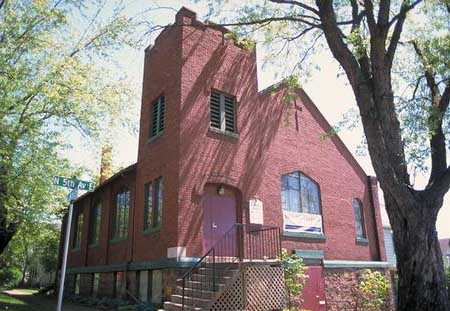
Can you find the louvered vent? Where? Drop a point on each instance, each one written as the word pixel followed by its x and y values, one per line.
pixel 158 114
pixel 215 110
pixel 162 112
pixel 223 112
pixel 229 114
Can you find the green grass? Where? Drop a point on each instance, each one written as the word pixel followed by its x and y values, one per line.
pixel 22 302
pixel 10 303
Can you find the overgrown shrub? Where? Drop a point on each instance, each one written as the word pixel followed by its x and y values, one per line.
pixel 372 291
pixel 294 278
pixel 9 277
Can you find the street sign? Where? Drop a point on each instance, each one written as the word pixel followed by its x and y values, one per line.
pixel 73 183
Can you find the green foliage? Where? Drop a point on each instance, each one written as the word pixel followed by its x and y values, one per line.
pixel 373 290
pixel 358 42
pixel 53 80
pixel 9 277
pixel 33 250
pixel 242 42
pixel 294 277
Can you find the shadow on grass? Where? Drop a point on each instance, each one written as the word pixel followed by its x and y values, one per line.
pixel 24 300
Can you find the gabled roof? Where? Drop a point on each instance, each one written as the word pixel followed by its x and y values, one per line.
pixel 121 173
pixel 301 93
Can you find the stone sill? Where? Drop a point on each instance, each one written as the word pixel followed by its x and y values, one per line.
pixel 362 241
pixel 225 133
pixel 305 235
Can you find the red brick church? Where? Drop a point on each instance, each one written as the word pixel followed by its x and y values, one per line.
pixel 226 176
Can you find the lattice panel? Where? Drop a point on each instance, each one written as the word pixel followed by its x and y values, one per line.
pixel 258 287
pixel 231 298
pixel 265 289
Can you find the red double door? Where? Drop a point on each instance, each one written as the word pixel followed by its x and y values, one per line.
pixel 314 290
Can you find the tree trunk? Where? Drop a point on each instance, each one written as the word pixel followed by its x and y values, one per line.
pixel 421 278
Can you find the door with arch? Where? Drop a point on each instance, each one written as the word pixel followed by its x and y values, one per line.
pixel 219 213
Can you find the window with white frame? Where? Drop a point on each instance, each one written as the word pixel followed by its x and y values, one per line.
pixel 158 111
pixel 222 112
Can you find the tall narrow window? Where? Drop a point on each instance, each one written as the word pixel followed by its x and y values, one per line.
pixel 222 112
pixel 153 204
pixel 359 219
pixel 158 113
pixel 78 229
pixel 120 229
pixel 94 226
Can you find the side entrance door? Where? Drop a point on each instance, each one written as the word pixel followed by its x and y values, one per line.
pixel 314 290
pixel 219 215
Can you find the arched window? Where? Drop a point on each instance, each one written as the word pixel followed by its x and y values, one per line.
pixel 120 228
pixel 359 218
pixel 300 194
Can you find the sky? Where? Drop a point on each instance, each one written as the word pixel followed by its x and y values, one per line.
pixel 330 92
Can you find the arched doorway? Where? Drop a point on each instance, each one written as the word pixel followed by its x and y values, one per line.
pixel 219 205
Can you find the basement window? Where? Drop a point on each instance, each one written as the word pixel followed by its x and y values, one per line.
pixel 222 112
pixel 158 111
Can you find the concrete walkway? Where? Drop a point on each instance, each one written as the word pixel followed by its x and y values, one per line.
pixel 29 300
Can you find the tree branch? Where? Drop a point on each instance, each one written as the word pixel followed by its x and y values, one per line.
pixel 439 105
pixel 401 17
pixel 275 19
pixel 297 3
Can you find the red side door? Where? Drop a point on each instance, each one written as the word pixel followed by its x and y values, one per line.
pixel 314 290
pixel 219 215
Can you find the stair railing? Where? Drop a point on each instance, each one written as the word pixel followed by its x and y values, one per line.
pixel 241 243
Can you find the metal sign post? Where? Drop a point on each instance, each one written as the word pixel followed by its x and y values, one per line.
pixel 75 185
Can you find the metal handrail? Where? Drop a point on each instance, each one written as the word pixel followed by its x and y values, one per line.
pixel 241 243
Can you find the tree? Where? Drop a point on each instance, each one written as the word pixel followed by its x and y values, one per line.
pixel 52 79
pixel 372 41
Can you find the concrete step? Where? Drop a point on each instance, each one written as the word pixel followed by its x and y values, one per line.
pixel 219 272
pixel 198 302
pixel 171 306
pixel 196 293
pixel 208 278
pixel 201 285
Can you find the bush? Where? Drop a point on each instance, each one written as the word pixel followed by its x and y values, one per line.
pixel 10 277
pixel 294 278
pixel 373 290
